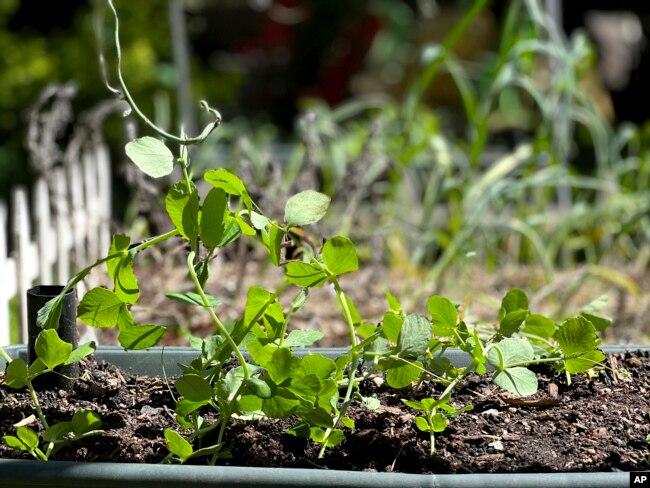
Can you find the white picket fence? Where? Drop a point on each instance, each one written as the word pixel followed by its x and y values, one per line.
pixel 63 227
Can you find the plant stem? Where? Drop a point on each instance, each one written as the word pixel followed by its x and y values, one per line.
pixel 217 323
pixel 37 405
pixel 127 95
pixel 354 364
pixel 151 242
pixel 5 356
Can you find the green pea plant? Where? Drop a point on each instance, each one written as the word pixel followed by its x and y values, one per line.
pixel 252 368
pixel 51 352
pixel 413 348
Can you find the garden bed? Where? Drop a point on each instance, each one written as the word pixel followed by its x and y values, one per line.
pixel 598 424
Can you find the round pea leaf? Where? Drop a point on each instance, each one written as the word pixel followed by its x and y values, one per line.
pixel 151 156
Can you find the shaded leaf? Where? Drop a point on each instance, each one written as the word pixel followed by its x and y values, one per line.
pixel 137 337
pixel 415 335
pixel 215 209
pixel 305 275
pixel 404 374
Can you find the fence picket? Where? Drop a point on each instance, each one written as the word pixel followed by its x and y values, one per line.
pixel 6 291
pixel 71 216
pixel 44 238
pixel 24 260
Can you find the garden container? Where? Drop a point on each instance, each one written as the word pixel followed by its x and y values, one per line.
pixel 27 473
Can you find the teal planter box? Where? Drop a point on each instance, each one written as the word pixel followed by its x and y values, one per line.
pixel 55 474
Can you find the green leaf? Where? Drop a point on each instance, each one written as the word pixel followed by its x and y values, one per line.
pixel 415 336
pixel 177 445
pixel 120 269
pixel 102 308
pixel 37 367
pixel 519 380
pixel 305 208
pixel 244 226
pixel 514 300
pixel 422 424
pixel 51 349
pixel 414 404
pixel 193 298
pixel 137 337
pixel 319 365
pixel 281 405
pixel 511 322
pixel 259 387
pixel 305 275
pixel 404 374
pixel 185 407
pixel 259 221
pixel 273 242
pixel 194 388
pixel 151 156
pixel 57 432
pixel 282 365
pixel 438 423
pixel 513 351
pixel 391 326
pixel 578 341
pixel 393 303
pixel 539 326
pixel 14 443
pixel 300 300
pixel 600 323
pixel 215 209
pixel 81 352
pixel 250 403
pixel 303 338
pixel 444 315
pixel 262 354
pixel 231 231
pixel 49 314
pixel 16 373
pixel 211 450
pixel 306 386
pixel 84 421
pixel 257 301
pixel 274 321
pixel 182 205
pixel 335 438
pixel 348 422
pixel 230 183
pixel 340 256
pixel 28 437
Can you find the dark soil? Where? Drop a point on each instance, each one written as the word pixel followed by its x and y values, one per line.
pixel 597 424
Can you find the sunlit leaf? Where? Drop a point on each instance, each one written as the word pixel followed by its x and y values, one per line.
pixel 151 156
pixel 340 256
pixel 305 208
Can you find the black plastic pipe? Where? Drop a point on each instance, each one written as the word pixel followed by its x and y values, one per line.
pixel 67 330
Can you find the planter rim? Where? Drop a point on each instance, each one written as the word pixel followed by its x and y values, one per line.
pixel 29 473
